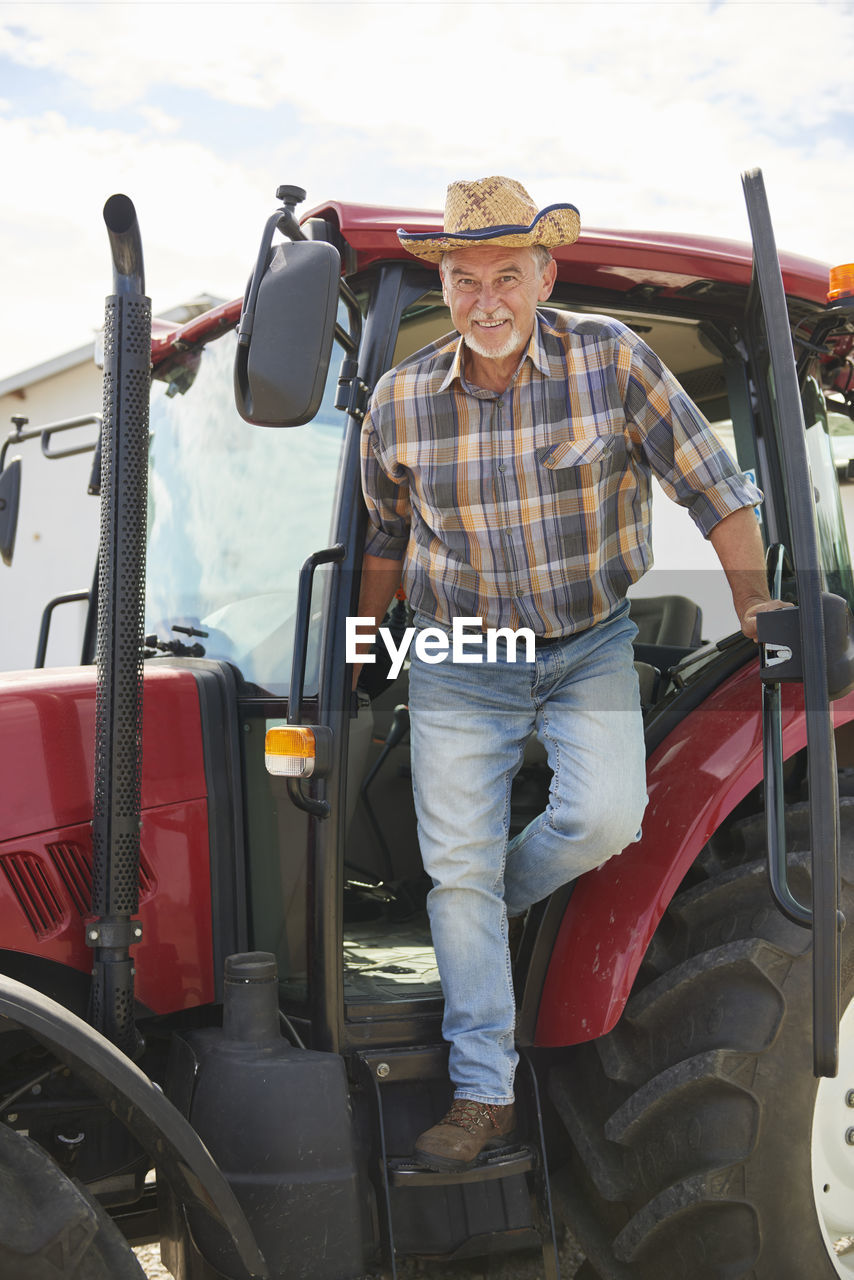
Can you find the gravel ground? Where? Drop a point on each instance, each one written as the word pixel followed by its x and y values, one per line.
pixel 149 1257
pixel 518 1266
pixel 515 1267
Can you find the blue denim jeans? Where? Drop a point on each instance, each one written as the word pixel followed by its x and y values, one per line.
pixel 470 723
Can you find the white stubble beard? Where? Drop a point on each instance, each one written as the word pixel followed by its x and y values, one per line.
pixel 507 348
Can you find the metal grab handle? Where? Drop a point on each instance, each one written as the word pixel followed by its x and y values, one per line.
pixel 772 756
pixel 71 597
pixel 330 555
pixel 51 429
pixel 91 419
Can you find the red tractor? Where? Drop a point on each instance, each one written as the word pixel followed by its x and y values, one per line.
pixel 215 959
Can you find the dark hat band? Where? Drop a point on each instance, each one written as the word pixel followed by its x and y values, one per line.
pixel 485 233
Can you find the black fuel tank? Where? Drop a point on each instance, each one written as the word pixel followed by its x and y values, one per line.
pixel 277 1121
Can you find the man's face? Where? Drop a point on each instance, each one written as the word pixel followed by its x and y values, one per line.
pixel 493 295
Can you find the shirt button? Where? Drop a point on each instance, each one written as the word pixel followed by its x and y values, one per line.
pixel 501 466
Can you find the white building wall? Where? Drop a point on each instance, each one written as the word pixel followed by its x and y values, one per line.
pixel 57 540
pixel 58 525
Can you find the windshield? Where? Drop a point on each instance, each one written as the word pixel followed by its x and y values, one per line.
pixel 233 512
pixel 830 519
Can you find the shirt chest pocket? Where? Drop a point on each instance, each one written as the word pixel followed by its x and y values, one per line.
pixel 590 452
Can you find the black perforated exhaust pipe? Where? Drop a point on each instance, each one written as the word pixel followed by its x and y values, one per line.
pixel 121 586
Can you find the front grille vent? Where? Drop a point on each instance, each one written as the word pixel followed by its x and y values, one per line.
pixel 73 863
pixel 75 871
pixel 31 885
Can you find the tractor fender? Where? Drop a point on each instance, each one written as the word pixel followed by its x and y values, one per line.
pixel 181 1156
pixel 695 778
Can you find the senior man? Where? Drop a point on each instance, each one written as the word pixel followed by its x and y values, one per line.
pixel 507 467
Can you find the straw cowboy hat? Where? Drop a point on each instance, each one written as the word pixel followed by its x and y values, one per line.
pixel 494 211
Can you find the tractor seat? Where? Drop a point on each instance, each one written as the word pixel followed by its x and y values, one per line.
pixel 668 620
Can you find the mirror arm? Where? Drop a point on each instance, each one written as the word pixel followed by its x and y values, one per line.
pixel 350 341
pixel 284 220
pixel 16 437
pixel 290 197
pixel 288 224
pixel 247 317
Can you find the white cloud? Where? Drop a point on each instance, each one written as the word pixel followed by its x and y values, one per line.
pixel 159 121
pixel 427 64
pixel 200 219
pixel 642 114
pixel 467 41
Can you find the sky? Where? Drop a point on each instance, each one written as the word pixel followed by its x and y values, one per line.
pixel 641 114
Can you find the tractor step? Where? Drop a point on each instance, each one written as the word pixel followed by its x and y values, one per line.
pixel 500 1162
pixel 502 1202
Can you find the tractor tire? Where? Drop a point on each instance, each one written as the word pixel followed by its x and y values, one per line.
pixel 702 1146
pixel 50 1228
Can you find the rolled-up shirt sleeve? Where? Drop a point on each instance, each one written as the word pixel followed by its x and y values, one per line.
pixel 683 452
pixel 386 497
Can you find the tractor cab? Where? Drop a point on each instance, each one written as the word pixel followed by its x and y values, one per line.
pixel 234 514
pixel 247 888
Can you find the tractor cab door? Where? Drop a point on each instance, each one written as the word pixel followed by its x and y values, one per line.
pixel 234 512
pixel 372 974
pixel 805 528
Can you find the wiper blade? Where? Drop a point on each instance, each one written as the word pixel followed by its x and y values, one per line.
pixel 177 648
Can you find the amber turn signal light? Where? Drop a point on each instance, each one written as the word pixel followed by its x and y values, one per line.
pixel 841 282
pixel 297 751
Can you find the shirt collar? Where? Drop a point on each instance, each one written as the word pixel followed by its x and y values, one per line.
pixel 456 367
pixel 535 350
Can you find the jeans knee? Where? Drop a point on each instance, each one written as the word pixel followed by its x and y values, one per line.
pixel 601 830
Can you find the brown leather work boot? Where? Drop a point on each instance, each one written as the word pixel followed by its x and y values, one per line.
pixel 467 1129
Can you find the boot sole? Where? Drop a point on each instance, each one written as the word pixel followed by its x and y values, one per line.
pixel 447 1164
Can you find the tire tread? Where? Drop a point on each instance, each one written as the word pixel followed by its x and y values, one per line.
pixel 714 1026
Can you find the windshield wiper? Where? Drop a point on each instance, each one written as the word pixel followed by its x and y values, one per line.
pixel 177 648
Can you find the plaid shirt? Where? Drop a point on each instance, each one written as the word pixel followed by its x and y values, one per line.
pixel 532 507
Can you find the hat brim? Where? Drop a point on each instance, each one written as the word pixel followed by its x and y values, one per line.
pixel 557 224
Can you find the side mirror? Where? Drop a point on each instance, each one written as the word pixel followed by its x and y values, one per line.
pixel 10 495
pixel 286 332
